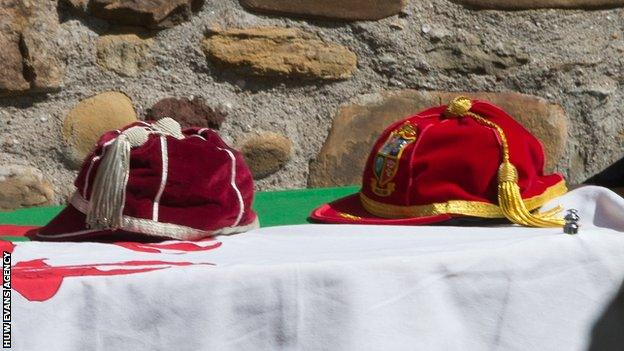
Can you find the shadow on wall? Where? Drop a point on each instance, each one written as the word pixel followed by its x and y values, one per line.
pixel 610 177
pixel 608 332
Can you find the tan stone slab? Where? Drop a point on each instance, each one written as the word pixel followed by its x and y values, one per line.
pixel 125 54
pixel 23 186
pixel 272 51
pixel 11 66
pixel 29 59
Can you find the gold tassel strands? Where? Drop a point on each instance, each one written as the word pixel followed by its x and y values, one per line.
pixel 509 196
pixel 511 204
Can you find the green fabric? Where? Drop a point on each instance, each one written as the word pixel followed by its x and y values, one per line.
pixel 273 207
pixel 14 238
pixel 294 206
pixel 37 216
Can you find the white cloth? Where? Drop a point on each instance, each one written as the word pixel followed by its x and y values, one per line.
pixel 334 287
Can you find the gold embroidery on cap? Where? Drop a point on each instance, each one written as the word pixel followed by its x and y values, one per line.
pixel 386 162
pixel 457 207
pixel 349 216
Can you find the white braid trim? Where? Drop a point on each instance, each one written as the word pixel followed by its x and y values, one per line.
pixel 169 126
pixel 154 228
pixel 163 178
pixel 239 196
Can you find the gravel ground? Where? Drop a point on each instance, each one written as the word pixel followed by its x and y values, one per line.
pixel 571 57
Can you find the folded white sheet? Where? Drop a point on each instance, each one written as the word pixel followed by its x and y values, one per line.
pixel 331 287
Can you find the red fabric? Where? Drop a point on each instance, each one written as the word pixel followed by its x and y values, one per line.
pixel 38 281
pixel 198 192
pixel 16 230
pixel 350 205
pixel 451 158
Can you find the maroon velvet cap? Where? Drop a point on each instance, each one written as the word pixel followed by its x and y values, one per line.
pixel 152 178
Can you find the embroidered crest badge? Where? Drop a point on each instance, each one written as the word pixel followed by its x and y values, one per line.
pixel 388 157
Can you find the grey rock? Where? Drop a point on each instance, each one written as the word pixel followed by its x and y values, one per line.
pixel 265 153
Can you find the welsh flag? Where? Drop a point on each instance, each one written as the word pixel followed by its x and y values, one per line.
pixel 37 276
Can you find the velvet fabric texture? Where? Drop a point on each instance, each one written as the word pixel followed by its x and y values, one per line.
pixel 431 167
pixel 207 188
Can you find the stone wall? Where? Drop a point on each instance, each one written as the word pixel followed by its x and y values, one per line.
pixel 277 77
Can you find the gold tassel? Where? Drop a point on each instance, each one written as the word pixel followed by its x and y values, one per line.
pixel 511 204
pixel 509 197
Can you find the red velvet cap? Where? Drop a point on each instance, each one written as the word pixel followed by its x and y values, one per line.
pixel 432 167
pixel 182 185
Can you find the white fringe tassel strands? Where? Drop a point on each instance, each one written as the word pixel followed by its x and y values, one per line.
pixel 109 188
pixel 108 196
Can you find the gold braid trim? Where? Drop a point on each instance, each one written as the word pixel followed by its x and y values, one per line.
pixel 460 207
pixel 509 197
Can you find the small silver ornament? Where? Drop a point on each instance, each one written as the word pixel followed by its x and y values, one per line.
pixel 571 222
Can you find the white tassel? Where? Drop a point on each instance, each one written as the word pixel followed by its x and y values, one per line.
pixel 108 196
pixel 109 188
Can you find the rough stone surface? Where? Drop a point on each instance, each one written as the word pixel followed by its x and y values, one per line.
pixel 29 57
pixel 189 113
pixel 357 126
pixel 125 54
pixel 145 13
pixel 582 72
pixel 265 153
pixel 23 186
pixel 466 56
pixel 80 5
pixel 272 51
pixel 332 9
pixel 90 118
pixel 11 65
pixel 539 4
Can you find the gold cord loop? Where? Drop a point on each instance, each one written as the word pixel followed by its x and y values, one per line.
pixel 459 106
pixel 509 197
